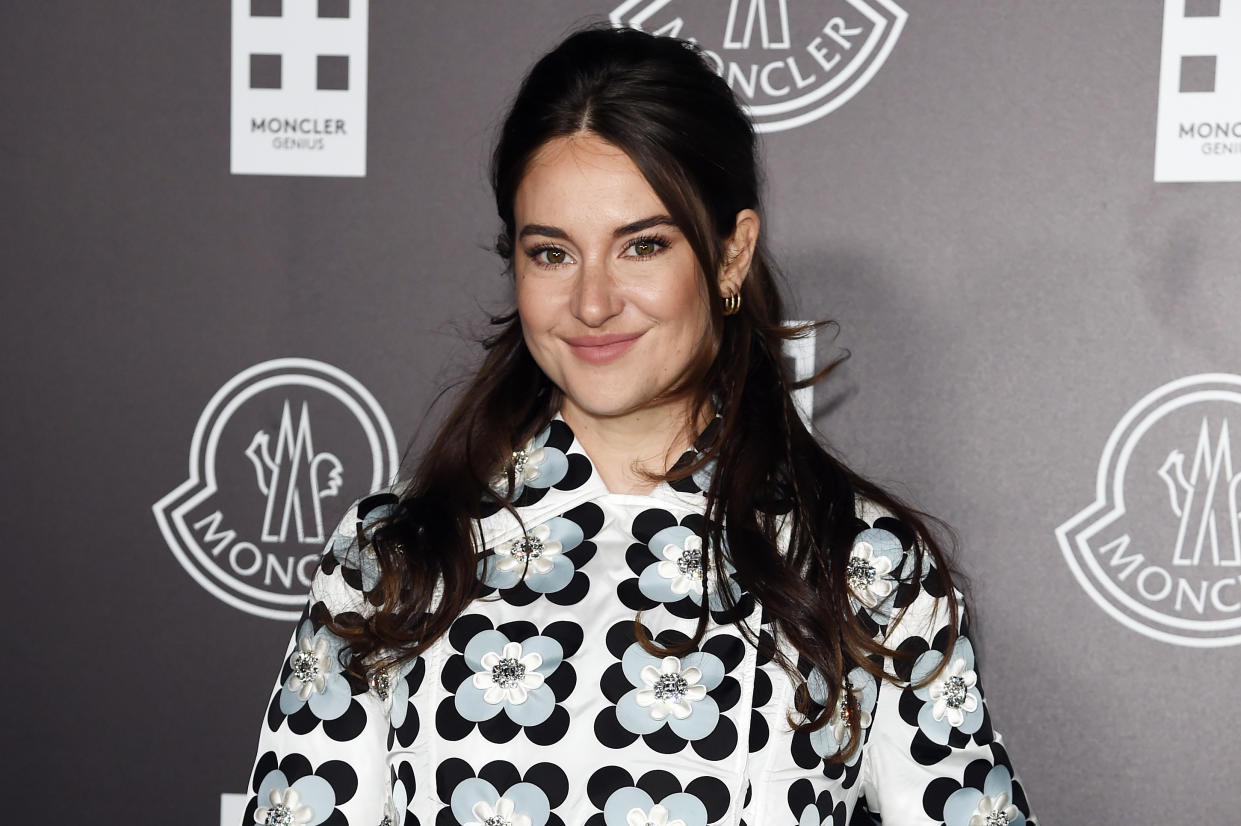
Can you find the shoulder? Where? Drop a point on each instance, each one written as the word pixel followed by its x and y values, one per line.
pixel 349 569
pixel 898 580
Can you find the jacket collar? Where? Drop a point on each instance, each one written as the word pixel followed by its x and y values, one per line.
pixel 553 474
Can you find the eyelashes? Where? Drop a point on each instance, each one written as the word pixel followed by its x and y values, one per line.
pixel 551 256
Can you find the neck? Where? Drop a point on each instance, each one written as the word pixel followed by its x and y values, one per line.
pixel 628 449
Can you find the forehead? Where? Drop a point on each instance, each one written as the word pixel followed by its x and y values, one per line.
pixel 583 178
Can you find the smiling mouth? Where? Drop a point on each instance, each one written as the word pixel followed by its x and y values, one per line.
pixel 602 349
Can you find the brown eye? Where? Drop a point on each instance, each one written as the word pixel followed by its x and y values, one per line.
pixel 643 247
pixel 549 256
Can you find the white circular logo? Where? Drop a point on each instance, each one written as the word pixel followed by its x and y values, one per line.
pixel 271 454
pixel 789 61
pixel 1159 549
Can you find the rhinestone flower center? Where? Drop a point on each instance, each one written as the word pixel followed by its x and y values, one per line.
pixel 845 714
pixel 278 815
pixel 508 672
pixel 690 563
pixel 670 687
pixel 530 547
pixel 305 666
pixel 496 820
pixel 954 693
pixel 861 573
pixel 382 683
pixel 520 459
pixel 996 819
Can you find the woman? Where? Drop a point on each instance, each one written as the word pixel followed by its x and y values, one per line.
pixel 626 585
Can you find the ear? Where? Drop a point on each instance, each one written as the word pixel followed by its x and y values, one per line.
pixel 738 252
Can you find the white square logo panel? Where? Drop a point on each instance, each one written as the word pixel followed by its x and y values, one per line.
pixel 1198 135
pixel 299 87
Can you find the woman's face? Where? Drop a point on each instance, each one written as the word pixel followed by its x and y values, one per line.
pixel 612 305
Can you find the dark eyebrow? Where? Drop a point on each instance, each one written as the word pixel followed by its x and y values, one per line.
pixel 636 226
pixel 645 223
pixel 541 229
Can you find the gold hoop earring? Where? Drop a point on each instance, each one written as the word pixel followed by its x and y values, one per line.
pixel 732 303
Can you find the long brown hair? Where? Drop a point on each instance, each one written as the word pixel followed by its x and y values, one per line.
pixel 657 100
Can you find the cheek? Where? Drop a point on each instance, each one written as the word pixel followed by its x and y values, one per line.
pixel 531 306
pixel 686 306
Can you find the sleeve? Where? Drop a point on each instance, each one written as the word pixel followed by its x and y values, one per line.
pixel 931 755
pixel 324 744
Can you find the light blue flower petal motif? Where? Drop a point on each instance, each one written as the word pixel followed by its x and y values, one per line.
pixel 883 543
pixel 676 535
pixel 315 676
pixel 536 465
pixel 508 676
pixel 557 578
pixel 829 739
pixel 493 577
pixel 960 806
pixel 334 701
pixel 312 791
pixel 685 807
pixel 679 571
pixel 711 666
pixel 702 476
pixel 538 706
pixel 993 805
pixel 700 723
pixel 531 801
pixel 468 792
pixel 656 586
pixel 274 780
pixel 633 661
pixel 952 699
pixel 871 570
pixel 669 690
pixel 470 704
pixel 565 531
pixel 316 793
pixel 635 718
pixel 622 801
pixel 537 558
pixel 400 698
pixel 400 801
pixel 548 649
pixel 480 644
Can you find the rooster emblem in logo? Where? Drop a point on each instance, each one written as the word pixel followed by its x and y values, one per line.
pixel 295 479
pixel 1205 500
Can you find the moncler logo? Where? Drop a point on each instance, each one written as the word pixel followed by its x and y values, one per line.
pixel 271 458
pixel 1160 547
pixel 789 61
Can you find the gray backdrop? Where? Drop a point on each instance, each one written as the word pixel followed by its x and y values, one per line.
pixel 980 218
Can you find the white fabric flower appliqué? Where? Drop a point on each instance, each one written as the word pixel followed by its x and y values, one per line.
pixel 285 810
pixel 510 675
pixel 954 693
pixel 868 575
pixel 670 690
pixel 311 664
pixel 534 553
pixel 504 813
pixel 526 465
pixel 994 811
pixel 657 816
pixel 683 565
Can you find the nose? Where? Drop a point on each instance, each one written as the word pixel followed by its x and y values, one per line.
pixel 596 297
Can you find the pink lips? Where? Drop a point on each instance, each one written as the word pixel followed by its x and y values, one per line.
pixel 601 349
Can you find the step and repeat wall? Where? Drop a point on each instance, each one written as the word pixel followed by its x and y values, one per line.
pixel 246 245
